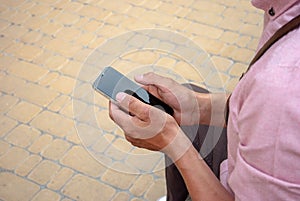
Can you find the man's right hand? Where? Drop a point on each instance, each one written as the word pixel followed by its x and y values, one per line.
pixel 183 100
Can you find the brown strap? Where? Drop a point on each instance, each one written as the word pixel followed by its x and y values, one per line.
pixel 290 26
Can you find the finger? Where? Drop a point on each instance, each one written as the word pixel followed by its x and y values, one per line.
pixel 154 79
pixel 134 106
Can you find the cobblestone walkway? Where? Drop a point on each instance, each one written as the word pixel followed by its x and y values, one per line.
pixel 56 139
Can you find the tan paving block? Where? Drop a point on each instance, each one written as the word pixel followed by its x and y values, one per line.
pixel 142 183
pixel 35 23
pixel 253 44
pixel 53 123
pixel 251 30
pixel 136 11
pixel 19 17
pixel 156 190
pixel 188 72
pixel 10 184
pixel 46 195
pixel 51 28
pixel 12 158
pixel 7 102
pixel 31 37
pixel 41 143
pixel 229 37
pixel 151 4
pixel 66 18
pixel 56 149
pixel 24 111
pixel 36 94
pixel 230 24
pixel 232 12
pixel 14 32
pixel 122 180
pixel 72 6
pixel 22 136
pixel 59 179
pixel 204 30
pixel 242 55
pixel 63 85
pixel 59 103
pixel 79 159
pixel 254 18
pixel 85 38
pixel 13 48
pixel 222 64
pixel 121 196
pixel 43 173
pixel 28 52
pixel 104 121
pixel 55 62
pixel 210 18
pixel 153 17
pixel 237 69
pixel 168 8
pixel 94 12
pixel 180 24
pixel 86 189
pixel 216 7
pixel 39 9
pixel 5 42
pixel 119 7
pixel 231 84
pixel 91 25
pixel 27 70
pixel 48 79
pixel 30 162
pixel 143 160
pixel 142 57
pixel 216 80
pixel 6 124
pixel 4 24
pixel 68 33
pixel 62 47
pixel 4 147
pixel 71 68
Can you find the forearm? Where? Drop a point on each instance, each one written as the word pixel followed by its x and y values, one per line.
pixel 201 182
pixel 212 108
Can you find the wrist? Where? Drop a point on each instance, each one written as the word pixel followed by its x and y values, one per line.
pixel 178 146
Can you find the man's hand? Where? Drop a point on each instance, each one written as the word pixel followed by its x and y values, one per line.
pixel 181 99
pixel 148 127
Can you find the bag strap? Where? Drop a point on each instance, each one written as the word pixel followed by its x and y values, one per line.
pixel 290 26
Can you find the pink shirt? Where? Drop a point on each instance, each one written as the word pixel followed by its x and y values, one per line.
pixel 264 121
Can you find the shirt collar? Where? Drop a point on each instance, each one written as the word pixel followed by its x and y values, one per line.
pixel 274 8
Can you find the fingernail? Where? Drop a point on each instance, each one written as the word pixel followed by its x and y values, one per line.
pixel 139 77
pixel 120 96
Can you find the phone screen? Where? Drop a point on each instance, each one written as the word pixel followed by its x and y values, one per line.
pixel 111 82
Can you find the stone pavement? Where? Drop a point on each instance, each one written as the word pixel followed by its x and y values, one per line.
pixel 56 140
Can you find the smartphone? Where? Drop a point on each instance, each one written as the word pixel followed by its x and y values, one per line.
pixel 110 82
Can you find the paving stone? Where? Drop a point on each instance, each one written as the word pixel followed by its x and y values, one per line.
pixel 141 184
pixel 12 158
pixel 79 159
pixel 156 190
pixel 60 178
pixel 56 149
pixel 46 195
pixel 63 85
pixel 6 124
pixel 24 111
pixel 53 123
pixel 43 173
pixel 41 143
pixel 86 189
pixel 24 168
pixel 4 147
pixel 7 102
pixel 22 136
pixel 122 180
pixel 10 184
pixel 121 196
pixel 35 94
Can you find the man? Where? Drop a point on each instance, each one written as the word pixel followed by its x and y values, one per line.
pixel 263 128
